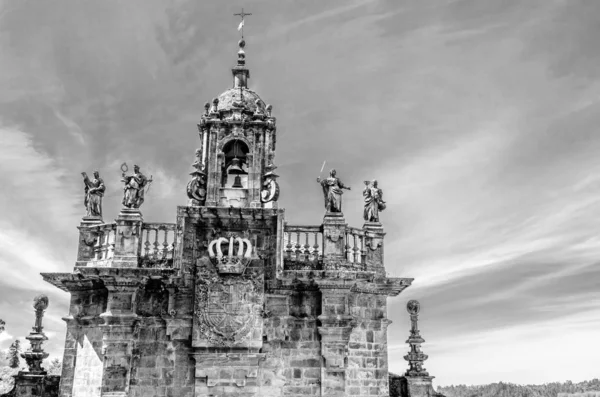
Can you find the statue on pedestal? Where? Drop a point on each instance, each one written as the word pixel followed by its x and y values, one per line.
pixel 373 201
pixel 332 192
pixel 133 192
pixel 94 191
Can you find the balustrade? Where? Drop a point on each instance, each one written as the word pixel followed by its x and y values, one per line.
pixel 355 245
pixel 303 243
pixel 158 241
pixel 104 247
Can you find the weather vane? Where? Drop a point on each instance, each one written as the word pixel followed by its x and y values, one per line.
pixel 241 25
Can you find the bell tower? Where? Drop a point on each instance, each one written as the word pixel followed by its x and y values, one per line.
pixel 238 135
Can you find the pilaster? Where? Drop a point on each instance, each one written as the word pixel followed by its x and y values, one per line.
pixel 336 327
pixel 118 336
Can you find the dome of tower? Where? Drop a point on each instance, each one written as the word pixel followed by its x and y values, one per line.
pixel 232 96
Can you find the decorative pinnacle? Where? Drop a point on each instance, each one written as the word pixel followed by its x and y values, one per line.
pixel 240 73
pixel 415 357
pixel 36 354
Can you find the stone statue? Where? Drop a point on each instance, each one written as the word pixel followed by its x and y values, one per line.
pixel 94 191
pixel 133 192
pixel 196 188
pixel 332 192
pixel 270 189
pixel 373 201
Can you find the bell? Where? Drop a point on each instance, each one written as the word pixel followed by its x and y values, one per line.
pixel 235 168
pixel 237 182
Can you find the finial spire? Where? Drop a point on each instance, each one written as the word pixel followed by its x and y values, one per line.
pixel 415 357
pixel 240 73
pixel 36 354
pixel 241 25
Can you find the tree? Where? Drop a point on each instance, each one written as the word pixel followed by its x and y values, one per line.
pixel 2 324
pixel 13 354
pixel 55 367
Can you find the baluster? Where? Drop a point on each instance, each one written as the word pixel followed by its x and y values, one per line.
pixel 297 246
pixel 98 246
pixel 165 244
pixel 146 237
pixel 363 249
pixel 316 247
pixel 104 245
pixel 112 236
pixel 288 247
pixel 355 248
pixel 155 244
pixel 347 247
pixel 171 246
pixel 306 247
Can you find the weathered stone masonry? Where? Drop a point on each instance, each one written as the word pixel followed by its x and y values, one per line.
pixel 229 300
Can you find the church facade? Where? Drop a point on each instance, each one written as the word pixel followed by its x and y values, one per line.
pixel 229 300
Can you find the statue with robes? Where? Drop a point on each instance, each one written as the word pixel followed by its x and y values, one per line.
pixel 373 201
pixel 94 191
pixel 332 192
pixel 133 192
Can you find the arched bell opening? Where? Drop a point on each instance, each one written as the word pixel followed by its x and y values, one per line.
pixel 235 173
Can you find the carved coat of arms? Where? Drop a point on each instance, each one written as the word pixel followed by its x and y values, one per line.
pixel 228 298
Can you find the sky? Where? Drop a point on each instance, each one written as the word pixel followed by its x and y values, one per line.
pixel 477 117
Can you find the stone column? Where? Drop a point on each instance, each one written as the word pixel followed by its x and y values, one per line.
pixel 118 336
pixel 128 240
pixel 336 327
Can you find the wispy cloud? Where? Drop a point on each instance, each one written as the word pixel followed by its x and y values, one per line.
pixel 478 119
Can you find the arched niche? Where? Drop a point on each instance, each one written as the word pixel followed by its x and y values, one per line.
pixel 235 164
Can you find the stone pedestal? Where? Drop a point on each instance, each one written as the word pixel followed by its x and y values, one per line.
pixel 29 384
pixel 128 238
pixel 334 234
pixel 374 247
pixel 420 386
pixel 87 239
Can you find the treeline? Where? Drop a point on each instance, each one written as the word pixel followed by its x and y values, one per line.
pixel 567 389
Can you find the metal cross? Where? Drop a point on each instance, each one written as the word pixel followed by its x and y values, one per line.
pixel 242 14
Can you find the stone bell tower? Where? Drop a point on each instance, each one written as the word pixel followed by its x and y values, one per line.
pixel 228 300
pixel 237 135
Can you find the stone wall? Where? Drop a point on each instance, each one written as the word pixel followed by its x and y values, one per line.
pixel 83 362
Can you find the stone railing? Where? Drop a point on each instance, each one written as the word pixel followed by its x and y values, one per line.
pixel 158 243
pixel 303 243
pixel 355 245
pixel 148 245
pixel 104 247
pixel 333 245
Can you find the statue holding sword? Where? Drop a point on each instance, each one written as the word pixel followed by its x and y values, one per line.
pixel 332 191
